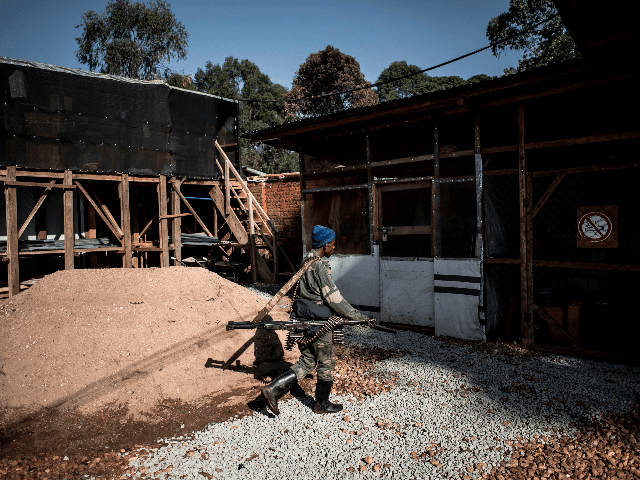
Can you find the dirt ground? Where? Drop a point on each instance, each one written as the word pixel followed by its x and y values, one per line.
pixel 97 362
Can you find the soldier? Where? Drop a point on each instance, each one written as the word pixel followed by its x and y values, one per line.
pixel 316 286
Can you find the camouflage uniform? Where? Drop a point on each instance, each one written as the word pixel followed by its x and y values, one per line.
pixel 317 285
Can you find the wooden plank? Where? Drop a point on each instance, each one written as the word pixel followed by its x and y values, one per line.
pixel 506 171
pixel 502 149
pixel 610 137
pixel 38 184
pixel 547 318
pixel 335 189
pixel 193 212
pixel 115 232
pixel 11 211
pixel 163 228
pixel 403 160
pixel 107 213
pixel 526 320
pixel 35 208
pixel 176 225
pixel 125 215
pixel 501 260
pixel 336 170
pixel 595 168
pixel 461 153
pixel 410 230
pixel 393 187
pixel 69 236
pixel 587 265
pixel 436 236
pixel 176 215
pixel 547 194
pixel 135 227
pixel 227 185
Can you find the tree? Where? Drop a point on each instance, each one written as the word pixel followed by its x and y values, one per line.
pixel 545 44
pixel 325 72
pixel 243 79
pixel 131 39
pixel 418 83
pixel 407 87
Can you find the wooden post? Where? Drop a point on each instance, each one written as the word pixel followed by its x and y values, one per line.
pixel 93 260
pixel 252 241
pixel 125 217
pixel 162 222
pixel 11 202
pixel 68 221
pixel 373 198
pixel 176 224
pixel 526 263
pixel 436 235
pixel 135 226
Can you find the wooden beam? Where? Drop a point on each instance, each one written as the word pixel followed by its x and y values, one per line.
pixel 135 227
pixel 410 230
pixel 163 229
pixel 193 212
pixel 436 214
pixel 35 208
pixel 125 215
pixel 115 232
pixel 587 265
pixel 11 204
pixel 37 184
pixel 69 236
pixel 526 324
pixel 176 224
pixel 252 241
pixel 547 194
pixel 238 230
pixel 106 211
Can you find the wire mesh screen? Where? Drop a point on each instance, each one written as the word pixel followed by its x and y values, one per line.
pixel 503 300
pixel 586 247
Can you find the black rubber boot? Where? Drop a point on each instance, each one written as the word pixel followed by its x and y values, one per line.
pixel 323 405
pixel 277 388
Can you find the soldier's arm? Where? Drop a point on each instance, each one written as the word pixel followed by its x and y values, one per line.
pixel 334 299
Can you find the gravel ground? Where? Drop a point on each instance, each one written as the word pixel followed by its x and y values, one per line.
pixel 454 411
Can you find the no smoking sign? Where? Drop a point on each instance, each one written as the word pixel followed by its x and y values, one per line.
pixel 598 227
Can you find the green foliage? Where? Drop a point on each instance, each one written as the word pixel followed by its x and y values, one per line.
pixel 548 43
pixel 243 79
pixel 328 71
pixel 182 81
pixel 407 87
pixel 417 84
pixel 131 39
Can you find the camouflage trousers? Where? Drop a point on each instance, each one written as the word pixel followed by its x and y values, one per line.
pixel 318 353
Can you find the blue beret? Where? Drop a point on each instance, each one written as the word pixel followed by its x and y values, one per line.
pixel 321 236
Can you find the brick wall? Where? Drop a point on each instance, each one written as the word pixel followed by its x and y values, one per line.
pixel 279 196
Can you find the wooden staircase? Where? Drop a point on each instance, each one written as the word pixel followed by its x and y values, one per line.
pixel 247 221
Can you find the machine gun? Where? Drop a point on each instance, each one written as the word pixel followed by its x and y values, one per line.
pixel 297 328
pixel 302 325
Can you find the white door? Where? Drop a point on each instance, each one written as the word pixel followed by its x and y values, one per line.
pixel 457 298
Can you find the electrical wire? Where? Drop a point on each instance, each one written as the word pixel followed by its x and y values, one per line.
pixel 395 79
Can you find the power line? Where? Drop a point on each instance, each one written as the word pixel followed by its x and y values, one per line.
pixel 395 79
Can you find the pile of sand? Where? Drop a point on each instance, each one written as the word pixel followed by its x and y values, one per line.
pixel 90 339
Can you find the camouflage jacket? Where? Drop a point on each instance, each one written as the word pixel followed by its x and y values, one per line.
pixel 317 285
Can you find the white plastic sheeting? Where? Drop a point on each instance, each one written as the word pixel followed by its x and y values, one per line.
pixel 457 297
pixel 406 287
pixel 357 278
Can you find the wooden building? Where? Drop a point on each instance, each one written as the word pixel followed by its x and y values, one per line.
pixel 506 208
pixel 101 171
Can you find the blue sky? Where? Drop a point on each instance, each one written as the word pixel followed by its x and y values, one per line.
pixel 278 36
